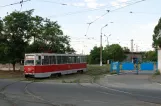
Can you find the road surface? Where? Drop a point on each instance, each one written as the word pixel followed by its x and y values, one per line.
pixel 25 93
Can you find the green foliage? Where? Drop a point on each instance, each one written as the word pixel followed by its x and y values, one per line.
pixel 21 32
pixel 156 37
pixel 157 72
pixel 114 72
pixel 94 57
pixel 126 49
pixel 95 70
pixel 150 56
pixel 114 52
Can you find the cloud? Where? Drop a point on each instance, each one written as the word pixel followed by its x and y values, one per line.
pixel 119 3
pixel 115 4
pixel 93 4
pixel 123 0
pixel 78 4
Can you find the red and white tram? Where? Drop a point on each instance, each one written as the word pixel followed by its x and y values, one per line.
pixel 41 65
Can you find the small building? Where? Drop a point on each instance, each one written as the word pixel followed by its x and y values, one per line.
pixel 134 56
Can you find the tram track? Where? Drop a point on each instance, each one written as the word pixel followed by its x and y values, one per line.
pixel 4 96
pixel 11 100
pixel 45 101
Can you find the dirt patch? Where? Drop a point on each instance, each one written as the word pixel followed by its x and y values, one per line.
pixel 11 74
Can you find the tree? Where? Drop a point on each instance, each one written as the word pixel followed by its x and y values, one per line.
pixel 114 52
pixel 126 49
pixel 49 34
pixel 16 28
pixel 94 57
pixel 156 36
pixel 150 56
pixel 21 33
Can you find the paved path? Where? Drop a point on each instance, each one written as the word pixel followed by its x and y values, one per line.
pixel 22 93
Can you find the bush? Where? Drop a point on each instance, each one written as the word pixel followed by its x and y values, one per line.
pixel 114 72
pixel 94 70
pixel 157 72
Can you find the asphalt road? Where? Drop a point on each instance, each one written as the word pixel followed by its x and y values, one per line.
pixel 23 93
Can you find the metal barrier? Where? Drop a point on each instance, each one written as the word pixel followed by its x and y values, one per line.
pixel 126 66
pixel 147 66
pixel 115 67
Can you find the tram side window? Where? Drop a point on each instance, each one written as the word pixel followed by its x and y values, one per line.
pixel 72 59
pixel 64 59
pixel 53 60
pixel 58 59
pixel 77 59
pixel 69 59
pixel 46 60
pixel 82 59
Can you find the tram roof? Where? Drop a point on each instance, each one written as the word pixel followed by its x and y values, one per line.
pixel 54 54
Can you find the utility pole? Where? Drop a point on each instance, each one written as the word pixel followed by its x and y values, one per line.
pixel 101 45
pixel 136 48
pixel 132 50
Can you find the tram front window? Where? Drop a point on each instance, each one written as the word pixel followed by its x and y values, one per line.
pixel 29 62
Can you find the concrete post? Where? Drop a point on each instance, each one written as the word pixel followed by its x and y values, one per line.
pixel 159 60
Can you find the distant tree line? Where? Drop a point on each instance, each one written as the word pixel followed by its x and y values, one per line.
pixel 115 52
pixel 112 52
pixel 21 32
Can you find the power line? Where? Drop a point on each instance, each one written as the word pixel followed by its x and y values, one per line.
pixel 20 2
pixel 133 12
pixel 88 10
pixel 108 11
pixel 116 10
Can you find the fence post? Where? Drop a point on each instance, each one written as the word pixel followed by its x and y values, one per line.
pixel 118 68
pixel 111 65
pixel 137 68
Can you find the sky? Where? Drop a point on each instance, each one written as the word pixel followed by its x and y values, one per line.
pixel 125 21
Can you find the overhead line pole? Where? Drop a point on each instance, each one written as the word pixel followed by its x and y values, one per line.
pixel 101 44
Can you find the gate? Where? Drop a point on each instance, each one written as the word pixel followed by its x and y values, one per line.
pixel 128 67
pixel 147 67
pixel 115 67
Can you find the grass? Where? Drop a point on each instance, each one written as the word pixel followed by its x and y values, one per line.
pixel 95 70
pixel 114 72
pixel 157 72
